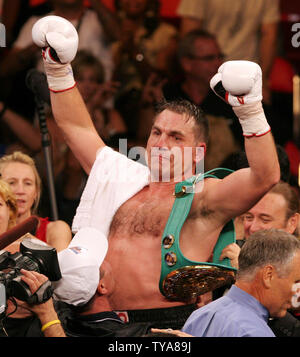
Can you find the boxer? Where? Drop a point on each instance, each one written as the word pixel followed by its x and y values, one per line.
pixel 133 213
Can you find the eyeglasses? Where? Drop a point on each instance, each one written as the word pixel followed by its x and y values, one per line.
pixel 208 58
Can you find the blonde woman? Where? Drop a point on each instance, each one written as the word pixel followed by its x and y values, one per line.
pixel 19 171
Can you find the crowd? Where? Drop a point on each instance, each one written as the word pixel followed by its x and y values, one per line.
pixel 193 230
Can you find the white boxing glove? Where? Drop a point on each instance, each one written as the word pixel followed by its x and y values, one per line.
pixel 239 83
pixel 59 40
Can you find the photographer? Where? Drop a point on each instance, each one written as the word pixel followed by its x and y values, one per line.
pixel 31 320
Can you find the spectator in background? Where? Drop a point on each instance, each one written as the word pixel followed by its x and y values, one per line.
pixel 278 208
pixel 20 324
pixel 146 45
pixel 245 30
pixel 20 172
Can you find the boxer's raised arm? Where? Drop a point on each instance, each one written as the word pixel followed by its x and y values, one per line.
pixel 59 40
pixel 239 83
pixel 75 122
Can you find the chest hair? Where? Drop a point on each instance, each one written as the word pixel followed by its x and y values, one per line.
pixel 139 218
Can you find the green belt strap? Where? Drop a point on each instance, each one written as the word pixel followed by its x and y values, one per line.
pixel 184 197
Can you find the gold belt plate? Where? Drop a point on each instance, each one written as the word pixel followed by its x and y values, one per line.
pixel 187 283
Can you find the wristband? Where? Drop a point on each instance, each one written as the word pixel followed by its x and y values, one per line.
pixel 50 323
pixel 59 76
pixel 252 119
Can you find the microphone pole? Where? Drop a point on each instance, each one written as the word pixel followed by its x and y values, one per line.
pixel 46 144
pixel 46 140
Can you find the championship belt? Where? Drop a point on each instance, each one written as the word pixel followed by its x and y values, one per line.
pixel 182 279
pixel 189 282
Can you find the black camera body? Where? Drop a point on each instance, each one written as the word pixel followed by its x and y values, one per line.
pixel 32 256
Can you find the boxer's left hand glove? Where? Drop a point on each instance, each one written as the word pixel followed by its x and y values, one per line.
pixel 59 40
pixel 239 83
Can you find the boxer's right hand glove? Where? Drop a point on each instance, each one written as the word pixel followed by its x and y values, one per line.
pixel 239 83
pixel 59 40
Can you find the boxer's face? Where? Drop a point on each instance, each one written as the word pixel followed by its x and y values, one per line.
pixel 170 135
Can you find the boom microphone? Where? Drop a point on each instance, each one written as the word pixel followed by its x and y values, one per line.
pixel 36 81
pixel 28 226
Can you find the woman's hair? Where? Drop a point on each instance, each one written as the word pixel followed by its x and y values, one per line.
pixel 10 200
pixel 22 158
pixel 85 59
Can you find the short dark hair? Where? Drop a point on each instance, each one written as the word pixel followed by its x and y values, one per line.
pixel 191 110
pixel 187 44
pixel 272 246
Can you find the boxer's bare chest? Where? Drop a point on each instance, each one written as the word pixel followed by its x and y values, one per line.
pixel 146 214
pixel 135 247
pixel 142 215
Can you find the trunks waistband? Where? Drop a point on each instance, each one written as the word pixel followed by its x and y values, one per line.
pixel 169 316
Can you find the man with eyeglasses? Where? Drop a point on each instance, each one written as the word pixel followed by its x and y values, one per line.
pixel 245 30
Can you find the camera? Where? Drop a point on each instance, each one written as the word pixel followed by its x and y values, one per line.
pixel 32 256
